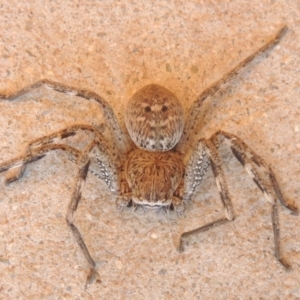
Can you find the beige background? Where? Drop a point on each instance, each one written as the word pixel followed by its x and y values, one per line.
pixel 115 48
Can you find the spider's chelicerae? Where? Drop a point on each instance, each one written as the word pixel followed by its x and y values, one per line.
pixel 155 175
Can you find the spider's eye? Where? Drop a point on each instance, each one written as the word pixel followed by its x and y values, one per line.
pixel 164 108
pixel 147 109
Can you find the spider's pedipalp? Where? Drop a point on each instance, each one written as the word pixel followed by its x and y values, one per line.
pixel 124 201
pixel 154 118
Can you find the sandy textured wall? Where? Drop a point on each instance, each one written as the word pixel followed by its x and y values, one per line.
pixel 114 48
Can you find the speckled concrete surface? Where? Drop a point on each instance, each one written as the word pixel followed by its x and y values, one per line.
pixel 115 48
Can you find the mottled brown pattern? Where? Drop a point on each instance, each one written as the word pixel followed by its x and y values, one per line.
pixel 154 118
pixel 154 177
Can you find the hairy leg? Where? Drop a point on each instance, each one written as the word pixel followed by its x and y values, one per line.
pixel 122 140
pixel 106 157
pixel 213 88
pixel 82 160
pixel 209 150
pixel 264 178
pixel 36 154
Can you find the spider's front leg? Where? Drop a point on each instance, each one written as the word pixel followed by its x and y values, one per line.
pixel 103 167
pixel 108 171
pixel 213 88
pixel 36 154
pixel 122 141
pixel 16 173
pixel 83 162
pixel 205 154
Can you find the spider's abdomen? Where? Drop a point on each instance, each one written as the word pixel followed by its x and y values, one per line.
pixel 153 177
pixel 154 118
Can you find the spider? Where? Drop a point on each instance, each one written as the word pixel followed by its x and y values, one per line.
pixel 152 172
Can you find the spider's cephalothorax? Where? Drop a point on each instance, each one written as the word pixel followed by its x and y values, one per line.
pixel 155 175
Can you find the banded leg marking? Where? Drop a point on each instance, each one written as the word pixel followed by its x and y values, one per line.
pixel 216 165
pixel 83 163
pixel 36 154
pixel 106 155
pixel 108 112
pixel 213 88
pixel 263 177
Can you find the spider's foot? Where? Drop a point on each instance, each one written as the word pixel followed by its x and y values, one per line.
pixel 293 209
pixel 180 247
pixel 93 274
pixel 285 264
pixel 12 175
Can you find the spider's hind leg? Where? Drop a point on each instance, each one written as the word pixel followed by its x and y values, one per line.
pixel 14 174
pixel 264 178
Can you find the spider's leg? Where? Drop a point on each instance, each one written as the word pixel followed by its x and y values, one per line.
pixel 107 158
pixel 196 169
pixel 17 172
pixel 207 148
pixel 123 142
pixel 213 88
pixel 255 167
pixel 36 154
pixel 83 162
pixel 264 178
